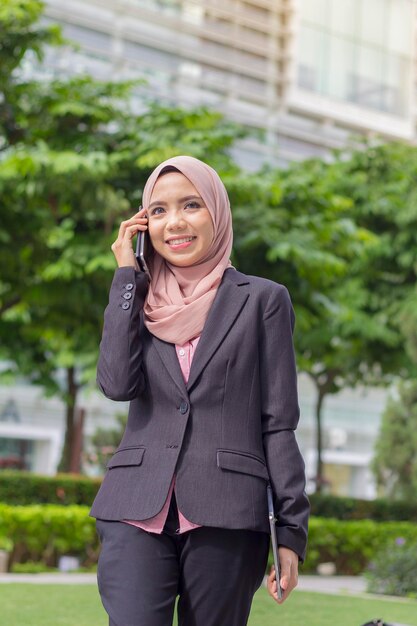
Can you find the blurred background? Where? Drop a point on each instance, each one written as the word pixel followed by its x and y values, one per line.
pixel 305 76
pixel 308 109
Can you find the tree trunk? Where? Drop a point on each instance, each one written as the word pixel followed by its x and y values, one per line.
pixel 319 440
pixel 71 395
pixel 77 442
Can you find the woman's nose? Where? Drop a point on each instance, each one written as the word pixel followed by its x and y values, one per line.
pixel 175 221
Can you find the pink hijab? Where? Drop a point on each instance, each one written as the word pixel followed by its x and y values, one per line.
pixel 179 298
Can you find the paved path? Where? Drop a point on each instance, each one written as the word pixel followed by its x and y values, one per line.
pixel 50 579
pixel 332 584
pixel 323 584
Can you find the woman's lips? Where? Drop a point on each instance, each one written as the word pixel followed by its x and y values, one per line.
pixel 181 243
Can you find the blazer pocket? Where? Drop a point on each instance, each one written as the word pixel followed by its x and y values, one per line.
pixel 125 457
pixel 243 462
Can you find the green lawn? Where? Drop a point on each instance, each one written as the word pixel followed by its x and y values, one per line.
pixel 79 605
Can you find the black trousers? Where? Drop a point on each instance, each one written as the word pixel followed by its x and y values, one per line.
pixel 213 571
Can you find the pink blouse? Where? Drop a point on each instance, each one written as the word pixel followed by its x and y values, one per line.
pixel 156 524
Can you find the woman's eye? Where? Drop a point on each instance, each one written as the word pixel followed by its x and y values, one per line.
pixel 157 210
pixel 192 205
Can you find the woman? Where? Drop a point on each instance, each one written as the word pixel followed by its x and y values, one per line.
pixel 204 354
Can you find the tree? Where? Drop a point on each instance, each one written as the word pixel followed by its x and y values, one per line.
pixel 296 228
pixel 380 180
pixel 395 461
pixel 73 163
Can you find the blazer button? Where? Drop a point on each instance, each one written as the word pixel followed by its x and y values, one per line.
pixel 125 305
pixel 183 408
pixel 129 286
pixel 127 295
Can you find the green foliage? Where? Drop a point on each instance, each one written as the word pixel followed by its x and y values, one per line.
pixel 6 544
pixel 296 227
pixel 44 532
pixel 380 181
pixel 32 567
pixel 393 570
pixel 73 163
pixel 395 461
pixel 378 510
pixel 21 488
pixel 351 545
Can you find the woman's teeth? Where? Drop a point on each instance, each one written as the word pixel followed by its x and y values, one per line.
pixel 176 242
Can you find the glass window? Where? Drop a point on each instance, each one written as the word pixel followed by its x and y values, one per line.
pixel 16 454
pixel 358 50
pixel 342 59
pixel 400 26
pixel 150 57
pixel 168 6
pixel 344 17
pixel 373 17
pixel 88 37
pixel 316 11
pixel 311 54
pixel 397 71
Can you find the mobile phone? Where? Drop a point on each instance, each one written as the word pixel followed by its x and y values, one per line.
pixel 274 542
pixel 142 249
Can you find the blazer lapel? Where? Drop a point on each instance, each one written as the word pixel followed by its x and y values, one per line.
pixel 170 361
pixel 229 301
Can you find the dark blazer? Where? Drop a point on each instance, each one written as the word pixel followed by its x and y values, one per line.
pixel 226 431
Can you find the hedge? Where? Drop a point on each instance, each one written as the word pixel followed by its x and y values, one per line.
pixel 45 532
pixel 352 544
pixel 379 510
pixel 22 488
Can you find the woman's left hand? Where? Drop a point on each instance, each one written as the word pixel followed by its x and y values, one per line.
pixel 289 574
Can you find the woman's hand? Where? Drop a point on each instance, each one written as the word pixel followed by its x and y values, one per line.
pixel 289 574
pixel 122 248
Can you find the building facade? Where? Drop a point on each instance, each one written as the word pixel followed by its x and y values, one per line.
pixel 310 73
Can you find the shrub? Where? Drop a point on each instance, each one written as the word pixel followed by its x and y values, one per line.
pixel 6 544
pixel 26 488
pixel 393 570
pixel 351 545
pixel 379 510
pixel 45 532
pixel 42 533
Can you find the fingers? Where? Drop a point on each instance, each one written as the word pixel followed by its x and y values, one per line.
pixel 139 221
pixel 122 247
pixel 272 585
pixel 289 572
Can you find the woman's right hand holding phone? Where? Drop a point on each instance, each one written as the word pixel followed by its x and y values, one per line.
pixel 122 248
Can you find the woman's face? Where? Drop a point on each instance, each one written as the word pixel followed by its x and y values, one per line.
pixel 180 225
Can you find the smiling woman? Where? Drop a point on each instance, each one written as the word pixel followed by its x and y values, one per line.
pixel 204 353
pixel 180 225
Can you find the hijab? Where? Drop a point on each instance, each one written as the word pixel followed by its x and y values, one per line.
pixel 179 298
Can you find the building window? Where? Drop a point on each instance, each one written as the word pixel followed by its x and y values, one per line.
pixel 358 52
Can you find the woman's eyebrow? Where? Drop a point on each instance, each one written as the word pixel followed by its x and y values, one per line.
pixel 183 199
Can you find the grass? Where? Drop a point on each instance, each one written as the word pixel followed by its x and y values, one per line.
pixel 79 605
